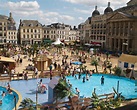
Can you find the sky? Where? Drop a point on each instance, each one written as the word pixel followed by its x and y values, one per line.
pixel 71 12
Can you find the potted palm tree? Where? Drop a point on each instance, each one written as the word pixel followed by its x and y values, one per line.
pixel 27 104
pixel 63 90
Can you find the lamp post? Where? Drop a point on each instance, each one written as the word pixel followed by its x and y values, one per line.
pixel 15 102
pixel 36 97
pixel 125 45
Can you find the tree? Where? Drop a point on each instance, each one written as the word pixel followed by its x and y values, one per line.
pixel 94 62
pixel 34 49
pixel 117 71
pixel 106 105
pixel 107 54
pixel 27 104
pixel 62 90
pixel 109 65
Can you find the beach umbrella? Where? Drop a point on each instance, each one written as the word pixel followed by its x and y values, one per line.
pixel 77 63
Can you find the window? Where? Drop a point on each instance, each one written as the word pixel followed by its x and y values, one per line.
pixel 27 30
pixel 24 36
pixel 31 30
pixel 4 28
pixel 31 36
pixel 23 30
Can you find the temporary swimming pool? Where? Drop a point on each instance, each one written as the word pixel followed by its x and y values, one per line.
pixel 126 86
pixel 8 102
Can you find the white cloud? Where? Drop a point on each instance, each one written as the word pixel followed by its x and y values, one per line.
pixel 67 17
pixel 56 17
pixel 80 18
pixel 114 3
pixel 82 11
pixel 31 10
pixel 24 8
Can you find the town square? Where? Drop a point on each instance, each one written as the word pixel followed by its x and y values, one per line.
pixel 89 64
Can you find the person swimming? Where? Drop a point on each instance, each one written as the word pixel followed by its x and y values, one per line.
pixel 3 94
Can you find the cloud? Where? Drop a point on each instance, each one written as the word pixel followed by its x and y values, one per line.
pixel 82 11
pixel 56 17
pixel 81 19
pixel 114 3
pixel 32 10
pixel 24 8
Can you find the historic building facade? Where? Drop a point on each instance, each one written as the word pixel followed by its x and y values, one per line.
pixel 93 31
pixel 30 32
pixel 11 31
pixel 62 31
pixel 114 30
pixel 122 28
pixel 8 32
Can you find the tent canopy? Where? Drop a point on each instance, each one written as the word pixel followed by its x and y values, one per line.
pixel 57 42
pixel 128 58
pixel 6 59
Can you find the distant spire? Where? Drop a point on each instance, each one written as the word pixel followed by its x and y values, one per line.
pixel 108 4
pixel 95 7
pixel 10 15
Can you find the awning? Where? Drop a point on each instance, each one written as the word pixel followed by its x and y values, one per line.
pixel 96 43
pixel 128 58
pixel 6 59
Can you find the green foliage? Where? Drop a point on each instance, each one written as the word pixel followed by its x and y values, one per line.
pixel 106 105
pixel 119 97
pixel 117 71
pixel 94 62
pixel 63 90
pixel 28 104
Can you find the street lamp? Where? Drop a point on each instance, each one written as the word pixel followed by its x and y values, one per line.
pixel 36 97
pixel 15 102
pixel 126 45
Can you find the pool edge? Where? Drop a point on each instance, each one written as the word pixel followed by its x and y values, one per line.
pixel 20 99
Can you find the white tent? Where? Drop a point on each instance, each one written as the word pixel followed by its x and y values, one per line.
pixel 57 42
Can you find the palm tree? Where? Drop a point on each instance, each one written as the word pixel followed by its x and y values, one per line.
pixel 107 55
pixel 34 49
pixel 109 66
pixel 27 104
pixel 94 62
pixel 81 68
pixel 62 90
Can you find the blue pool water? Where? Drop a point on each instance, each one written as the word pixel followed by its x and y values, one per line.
pixel 126 86
pixel 8 101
